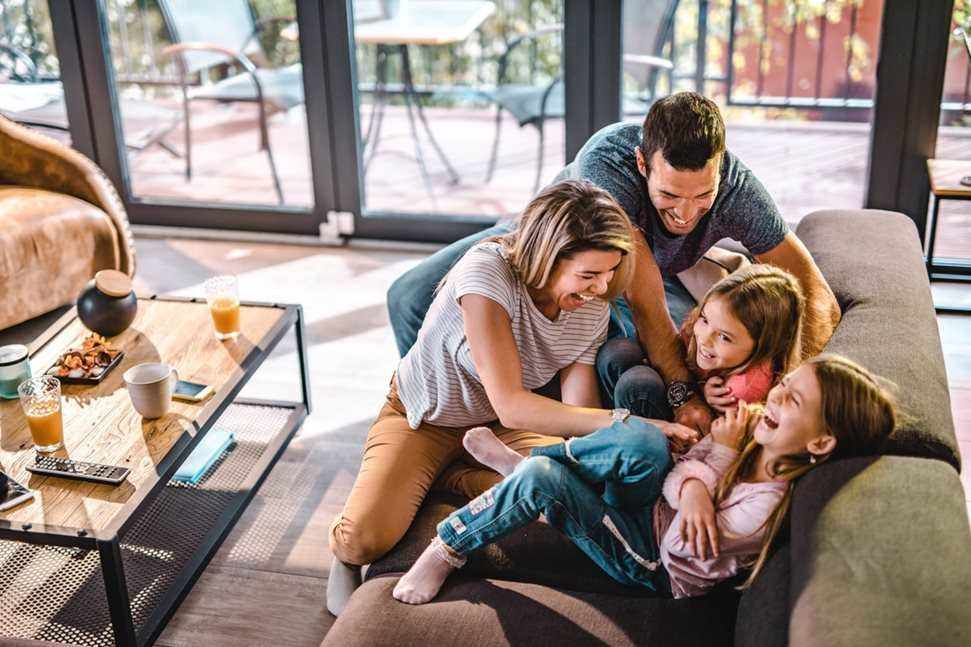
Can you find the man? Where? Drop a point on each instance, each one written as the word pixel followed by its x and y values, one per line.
pixel 684 192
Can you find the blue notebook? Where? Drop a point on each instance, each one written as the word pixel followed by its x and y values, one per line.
pixel 203 456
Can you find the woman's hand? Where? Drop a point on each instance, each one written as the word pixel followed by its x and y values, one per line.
pixel 698 528
pixel 730 429
pixel 718 396
pixel 681 437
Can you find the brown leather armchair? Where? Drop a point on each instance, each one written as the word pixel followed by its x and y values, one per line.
pixel 61 221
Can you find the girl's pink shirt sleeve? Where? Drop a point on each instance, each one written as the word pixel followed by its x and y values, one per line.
pixel 707 461
pixel 753 385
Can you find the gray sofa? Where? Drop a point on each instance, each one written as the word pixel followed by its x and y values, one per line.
pixel 877 550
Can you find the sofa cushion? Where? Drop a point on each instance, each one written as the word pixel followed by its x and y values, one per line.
pixel 880 555
pixel 542 557
pixel 51 240
pixel 873 261
pixel 763 611
pixel 494 612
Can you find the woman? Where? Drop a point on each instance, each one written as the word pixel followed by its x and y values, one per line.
pixel 513 313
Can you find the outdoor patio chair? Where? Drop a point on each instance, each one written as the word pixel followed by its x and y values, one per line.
pixel 31 99
pixel 226 32
pixel 647 26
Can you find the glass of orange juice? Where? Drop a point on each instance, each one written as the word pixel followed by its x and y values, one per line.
pixel 222 293
pixel 41 399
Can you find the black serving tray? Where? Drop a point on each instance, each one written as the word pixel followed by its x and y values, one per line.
pixel 85 380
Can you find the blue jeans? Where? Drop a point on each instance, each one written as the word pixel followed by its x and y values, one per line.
pixel 626 379
pixel 615 529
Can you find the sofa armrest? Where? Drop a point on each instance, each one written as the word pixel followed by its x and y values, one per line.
pixel 873 262
pixel 28 158
pixel 880 555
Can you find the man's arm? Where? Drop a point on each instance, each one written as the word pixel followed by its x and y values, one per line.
pixel 822 310
pixel 657 333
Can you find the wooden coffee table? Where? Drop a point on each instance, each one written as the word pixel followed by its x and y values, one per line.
pixel 95 564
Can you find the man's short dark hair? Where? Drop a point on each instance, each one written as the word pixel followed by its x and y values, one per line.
pixel 687 128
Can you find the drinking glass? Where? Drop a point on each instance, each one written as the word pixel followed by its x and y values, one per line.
pixel 222 294
pixel 41 399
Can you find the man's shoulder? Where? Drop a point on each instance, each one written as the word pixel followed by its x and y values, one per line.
pixel 733 170
pixel 608 160
pixel 740 189
pixel 618 138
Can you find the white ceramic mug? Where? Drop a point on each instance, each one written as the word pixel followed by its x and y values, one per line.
pixel 151 386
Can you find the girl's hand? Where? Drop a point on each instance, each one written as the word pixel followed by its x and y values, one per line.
pixel 718 396
pixel 730 429
pixel 681 437
pixel 698 528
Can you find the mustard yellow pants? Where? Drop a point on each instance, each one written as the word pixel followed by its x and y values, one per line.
pixel 399 467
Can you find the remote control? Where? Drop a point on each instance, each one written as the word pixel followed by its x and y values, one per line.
pixel 65 467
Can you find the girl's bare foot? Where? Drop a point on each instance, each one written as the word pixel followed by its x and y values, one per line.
pixel 490 451
pixel 425 578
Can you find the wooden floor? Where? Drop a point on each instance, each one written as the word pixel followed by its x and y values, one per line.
pixel 266 584
pixel 805 165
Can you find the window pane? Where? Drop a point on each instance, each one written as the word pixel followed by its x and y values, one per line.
pixel 30 85
pixel 954 139
pixel 795 85
pixel 193 126
pixel 431 75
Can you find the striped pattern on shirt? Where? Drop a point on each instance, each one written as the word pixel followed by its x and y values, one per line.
pixel 437 380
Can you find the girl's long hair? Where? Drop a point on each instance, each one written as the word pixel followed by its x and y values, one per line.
pixel 768 301
pixel 855 409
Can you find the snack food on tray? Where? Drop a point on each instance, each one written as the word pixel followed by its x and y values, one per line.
pixel 89 361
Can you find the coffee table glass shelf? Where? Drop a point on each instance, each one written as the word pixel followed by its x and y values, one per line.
pixel 92 564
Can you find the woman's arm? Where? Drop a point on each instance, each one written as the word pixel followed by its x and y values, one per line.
pixel 489 333
pixel 580 386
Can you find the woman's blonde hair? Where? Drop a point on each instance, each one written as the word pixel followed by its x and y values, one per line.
pixel 566 218
pixel 768 301
pixel 854 409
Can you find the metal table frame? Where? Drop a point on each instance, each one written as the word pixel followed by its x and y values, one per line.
pixel 107 542
pixel 932 269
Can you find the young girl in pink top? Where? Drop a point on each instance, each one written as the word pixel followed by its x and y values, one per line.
pixel 716 512
pixel 744 335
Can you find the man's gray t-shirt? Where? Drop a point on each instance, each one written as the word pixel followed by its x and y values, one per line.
pixel 742 211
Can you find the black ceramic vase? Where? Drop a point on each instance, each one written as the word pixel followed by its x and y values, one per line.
pixel 107 305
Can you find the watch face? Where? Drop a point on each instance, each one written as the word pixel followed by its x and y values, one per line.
pixel 677 393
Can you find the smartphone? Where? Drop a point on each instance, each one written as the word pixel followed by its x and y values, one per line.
pixel 191 391
pixel 12 493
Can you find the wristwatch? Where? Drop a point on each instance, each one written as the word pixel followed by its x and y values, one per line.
pixel 619 415
pixel 679 393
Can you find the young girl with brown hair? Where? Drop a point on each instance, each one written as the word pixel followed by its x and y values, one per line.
pixel 716 512
pixel 744 335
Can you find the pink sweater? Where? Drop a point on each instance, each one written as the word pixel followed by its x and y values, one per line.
pixel 739 517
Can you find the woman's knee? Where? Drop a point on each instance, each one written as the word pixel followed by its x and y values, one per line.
pixel 641 390
pixel 358 543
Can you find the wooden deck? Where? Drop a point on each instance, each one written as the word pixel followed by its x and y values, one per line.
pixel 804 165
